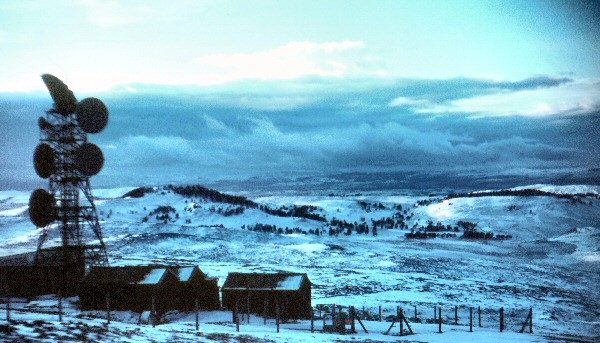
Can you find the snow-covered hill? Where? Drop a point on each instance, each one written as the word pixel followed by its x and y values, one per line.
pixel 551 263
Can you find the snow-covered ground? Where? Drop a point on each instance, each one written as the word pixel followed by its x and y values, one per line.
pixel 552 263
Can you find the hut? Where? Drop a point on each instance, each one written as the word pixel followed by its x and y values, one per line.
pixel 194 284
pixel 37 273
pixel 131 288
pixel 261 293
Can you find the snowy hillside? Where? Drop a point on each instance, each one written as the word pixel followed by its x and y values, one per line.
pixel 548 256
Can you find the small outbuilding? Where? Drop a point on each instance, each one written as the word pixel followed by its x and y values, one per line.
pixel 130 288
pixel 37 273
pixel 262 293
pixel 194 284
pixel 133 288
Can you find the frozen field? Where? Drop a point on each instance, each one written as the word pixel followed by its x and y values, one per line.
pixel 552 262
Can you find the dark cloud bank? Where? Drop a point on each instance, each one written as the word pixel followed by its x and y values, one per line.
pixel 316 134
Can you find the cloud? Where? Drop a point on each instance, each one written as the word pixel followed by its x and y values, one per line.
pixel 149 151
pixel 290 61
pixel 581 97
pixel 112 12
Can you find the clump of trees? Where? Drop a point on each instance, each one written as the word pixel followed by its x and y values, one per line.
pixel 162 213
pixel 528 192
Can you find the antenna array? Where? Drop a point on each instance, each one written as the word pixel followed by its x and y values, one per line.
pixel 66 158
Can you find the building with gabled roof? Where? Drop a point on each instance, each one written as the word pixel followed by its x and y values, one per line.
pixel 262 292
pixel 194 284
pixel 42 272
pixel 132 288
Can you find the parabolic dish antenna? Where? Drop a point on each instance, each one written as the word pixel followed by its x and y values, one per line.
pixel 89 159
pixel 64 100
pixel 92 115
pixel 41 207
pixel 43 160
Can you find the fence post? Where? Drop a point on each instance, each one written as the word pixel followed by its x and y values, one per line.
pixel 435 312
pixel 480 323
pixel 237 317
pixel 265 305
pixel 531 320
pixel 60 314
pixel 380 312
pixel 470 319
pixel 320 310
pixel 277 310
pixel 107 307
pixel 401 319
pixel 501 319
pixel 416 314
pixel 352 319
pixel 312 320
pixel 455 314
pixel 8 306
pixel 440 319
pixel 197 309
pixel 153 312
pixel 248 308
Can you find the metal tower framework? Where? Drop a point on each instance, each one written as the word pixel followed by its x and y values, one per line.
pixel 76 214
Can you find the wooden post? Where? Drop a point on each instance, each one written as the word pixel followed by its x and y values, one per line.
pixel 416 314
pixel 380 312
pixel 107 307
pixel 440 319
pixel 277 312
pixel 408 326
pixel 501 319
pixel 60 309
pixel 237 317
pixel 320 310
pixel 391 326
pixel 480 323
pixel 528 320
pixel 8 307
pixel 470 319
pixel 265 311
pixel 233 314
pixel 312 320
pixel 455 314
pixel 352 319
pixel 531 320
pixel 435 312
pixel 361 324
pixel 153 312
pixel 248 308
pixel 401 320
pixel 197 310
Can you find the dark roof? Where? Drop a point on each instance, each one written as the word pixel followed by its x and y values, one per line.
pixel 143 275
pixel 280 281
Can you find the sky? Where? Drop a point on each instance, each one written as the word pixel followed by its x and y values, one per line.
pixel 200 91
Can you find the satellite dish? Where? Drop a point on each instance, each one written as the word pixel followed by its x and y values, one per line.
pixel 64 100
pixel 89 159
pixel 43 160
pixel 92 115
pixel 41 207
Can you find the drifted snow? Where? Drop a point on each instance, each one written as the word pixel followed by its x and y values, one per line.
pixel 551 263
pixel 153 277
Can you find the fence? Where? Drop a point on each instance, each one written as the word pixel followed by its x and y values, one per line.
pixel 340 317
